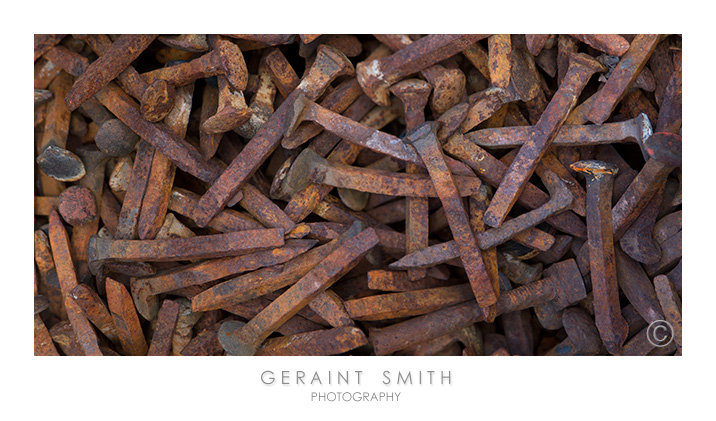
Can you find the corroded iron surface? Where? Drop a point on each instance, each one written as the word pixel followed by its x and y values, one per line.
pixel 339 194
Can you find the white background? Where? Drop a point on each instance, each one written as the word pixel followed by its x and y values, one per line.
pixel 482 388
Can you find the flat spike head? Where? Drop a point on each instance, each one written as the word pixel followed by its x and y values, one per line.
pixel 297 177
pixel 587 61
pixel 115 138
pixel 354 199
pixel 570 288
pixel 227 335
pixel 192 43
pixel 663 147
pixel 280 191
pixel 412 91
pixel 451 120
pixel 372 80
pixel 594 168
pixel 422 132
pixel 77 206
pixel 147 305
pixel 329 64
pixel 342 66
pixel 449 88
pixel 158 100
pixel 60 164
pixel 232 61
pixel 295 115
pixel 94 254
pixel 582 331
pixel 524 78
pixel 646 129
pixel 226 119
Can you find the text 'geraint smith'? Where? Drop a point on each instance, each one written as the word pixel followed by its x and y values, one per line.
pixel 354 378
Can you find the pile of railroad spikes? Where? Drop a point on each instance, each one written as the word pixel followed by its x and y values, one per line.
pixel 407 195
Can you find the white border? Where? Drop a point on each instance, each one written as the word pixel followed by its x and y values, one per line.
pixel 498 388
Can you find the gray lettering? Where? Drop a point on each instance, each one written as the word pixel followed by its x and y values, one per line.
pixel 271 378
